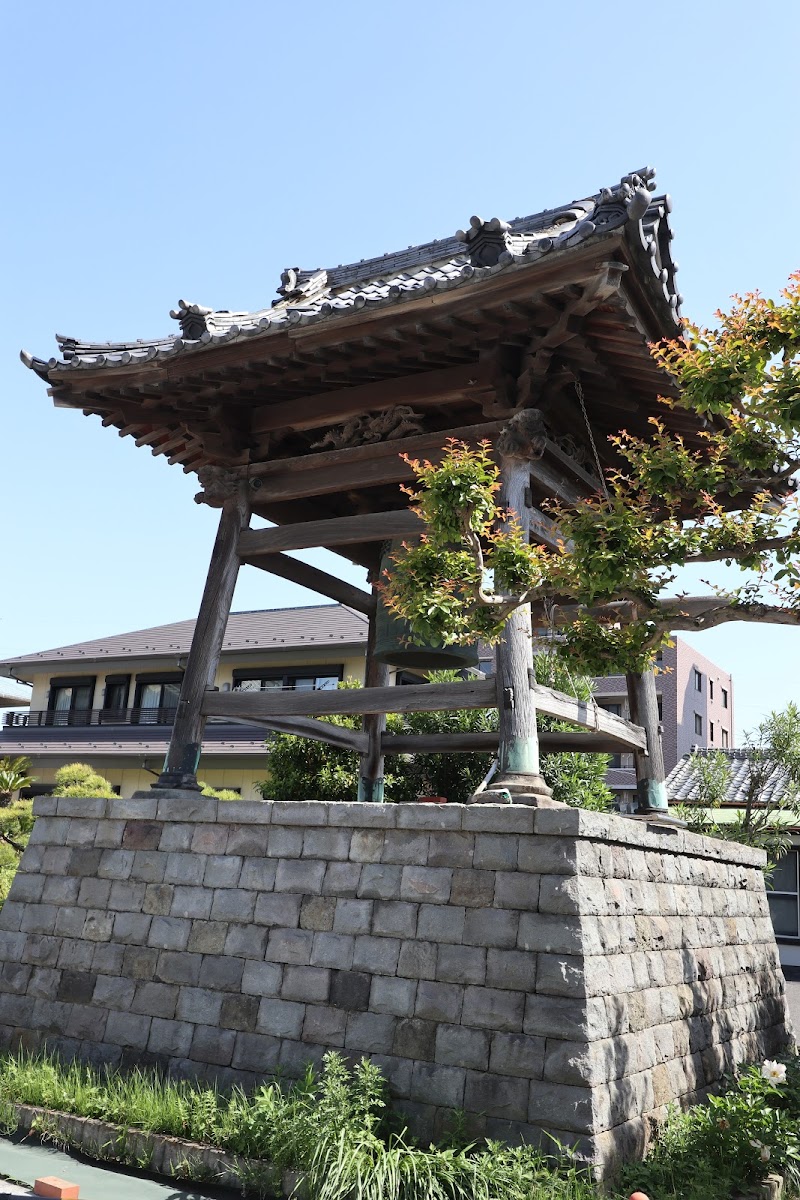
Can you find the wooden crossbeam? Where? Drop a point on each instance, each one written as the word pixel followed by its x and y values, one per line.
pixel 315 580
pixel 457 743
pixel 339 531
pixel 423 697
pixel 318 731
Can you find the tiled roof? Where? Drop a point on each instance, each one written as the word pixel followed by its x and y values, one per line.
pixel 682 782
pixel 318 625
pixel 484 249
pixel 128 742
pixel 14 695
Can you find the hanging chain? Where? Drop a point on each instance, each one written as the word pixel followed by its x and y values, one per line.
pixel 600 472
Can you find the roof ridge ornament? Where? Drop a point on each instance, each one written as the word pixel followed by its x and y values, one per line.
pixel 192 318
pixel 297 284
pixel 487 242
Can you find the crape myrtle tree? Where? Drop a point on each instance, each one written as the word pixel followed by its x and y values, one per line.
pixel 664 505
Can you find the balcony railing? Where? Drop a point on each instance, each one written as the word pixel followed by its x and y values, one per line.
pixel 84 717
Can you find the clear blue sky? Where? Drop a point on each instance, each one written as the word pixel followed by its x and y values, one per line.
pixel 159 151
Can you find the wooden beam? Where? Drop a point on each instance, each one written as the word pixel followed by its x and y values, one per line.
pixel 589 715
pixel 315 580
pixel 458 743
pixel 339 531
pixel 318 731
pixel 417 697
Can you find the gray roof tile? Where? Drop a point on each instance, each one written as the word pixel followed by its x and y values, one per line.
pixel 485 249
pixel 682 779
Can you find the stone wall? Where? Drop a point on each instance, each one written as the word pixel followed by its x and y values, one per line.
pixel 549 969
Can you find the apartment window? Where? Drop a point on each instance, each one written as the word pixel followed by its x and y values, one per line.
pixel 156 697
pixel 698 724
pixel 724 697
pixel 698 681
pixel 723 737
pixel 660 702
pixel 115 699
pixel 313 679
pixel 711 689
pixel 70 701
pixel 711 731
pixel 659 656
pixel 783 897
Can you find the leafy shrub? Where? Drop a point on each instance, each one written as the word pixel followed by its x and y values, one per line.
pixel 79 779
pixel 14 774
pixel 16 823
pixel 218 793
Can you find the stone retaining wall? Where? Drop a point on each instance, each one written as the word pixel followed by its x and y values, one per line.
pixel 543 969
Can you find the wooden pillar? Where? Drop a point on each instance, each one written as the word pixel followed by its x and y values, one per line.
pixel 180 766
pixel 519 771
pixel 651 790
pixel 370 777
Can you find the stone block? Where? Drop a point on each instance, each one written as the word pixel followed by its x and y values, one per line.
pixel 496 851
pixel 28 889
pixel 393 996
pixel 176 837
pixel 417 960
pixel 451 849
pixel 199 1006
pixel 173 1038
pixel 441 923
pixel 150 866
pixel 460 1047
pixel 285 843
pixel 472 888
pixel 233 904
pixel 57 889
pixel 240 1012
pixel 329 844
pixel 76 955
pixel 86 1021
pixel 300 875
pixel 333 950
pixel 548 856
pixel 45 806
pixel 12 945
pixel 350 990
pixel 380 881
pixel 128 1030
pixel 115 864
pixel 258 874
pixel 283 910
pixel 98 926
pixel 461 964
pixel 377 955
pixel 222 973
pixel 139 962
pixel 353 916
pixel 324 1026
pixel 69 922
pixel 256 1052
pixel 132 927
pixel 439 1085
pixel 141 835
pixel 300 812
pixel 15 978
pixel 501 1096
pixel 176 967
pixel 248 840
pixel 222 870
pixel 38 918
pixel 187 869
pixel 169 933
pixel 109 834
pixel 566 1017
pixel 40 950
pixel 123 895
pixel 415 1039
pixel 518 890
pixel 185 808
pixel 207 937
pixel 84 863
pixel 491 927
pixel 51 831
pixel 113 993
pixel 290 946
pixel 394 918
pixel 498 818
pixel 55 860
pixel 514 970
pixel 342 879
pixel 429 816
pixel 426 884
pixel 212 1045
pixel 404 846
pixel 517 1054
pixel 491 1008
pixel 370 1033
pixel 157 898
pixel 281 1018
pixel 366 845
pixel 262 979
pixel 551 933
pixel 81 832
pixel 316 912
pixel 155 999
pixel 211 840
pixel 561 1106
pixel 312 985
pixel 246 941
pixel 76 987
pixel 438 1001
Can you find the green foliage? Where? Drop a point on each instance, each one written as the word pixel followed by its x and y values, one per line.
pixel 667 503
pixel 79 779
pixel 575 779
pixel 217 793
pixel 764 816
pixel 718 1150
pixel 14 774
pixel 16 823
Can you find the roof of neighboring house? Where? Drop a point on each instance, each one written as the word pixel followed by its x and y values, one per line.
pixel 682 780
pixel 484 249
pixel 126 741
pixel 13 694
pixel 318 625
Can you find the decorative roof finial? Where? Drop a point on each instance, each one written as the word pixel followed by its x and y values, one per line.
pixel 486 241
pixel 192 318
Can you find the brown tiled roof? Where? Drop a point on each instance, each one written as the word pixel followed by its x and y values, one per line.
pixel 317 626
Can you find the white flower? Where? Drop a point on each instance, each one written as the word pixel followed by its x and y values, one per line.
pixel 774 1072
pixel 764 1155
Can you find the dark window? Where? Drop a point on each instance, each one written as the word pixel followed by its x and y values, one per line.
pixel 711 689
pixel 659 656
pixel 723 734
pixel 155 701
pixel 711 731
pixel 115 698
pixel 698 724
pixel 660 702
pixel 70 701
pixel 311 679
pixel 783 897
pixel 724 697
pixel 698 681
